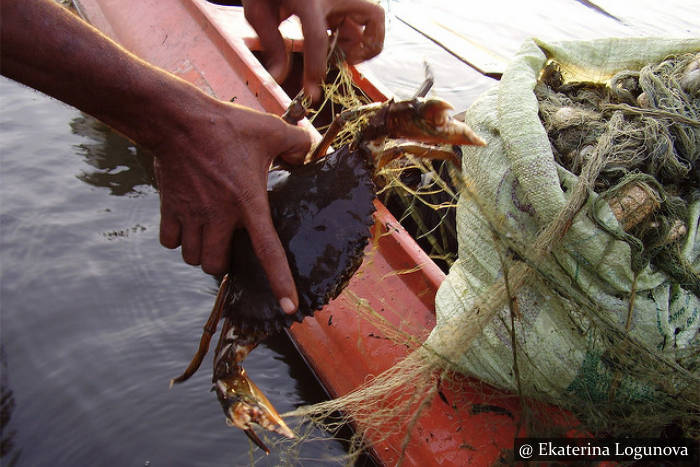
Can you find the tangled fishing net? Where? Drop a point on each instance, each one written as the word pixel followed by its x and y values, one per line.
pixel 576 280
pixel 421 194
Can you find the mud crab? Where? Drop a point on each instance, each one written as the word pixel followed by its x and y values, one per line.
pixel 323 213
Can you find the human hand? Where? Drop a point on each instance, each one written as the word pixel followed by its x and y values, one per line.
pixel 212 180
pixel 212 157
pixel 360 26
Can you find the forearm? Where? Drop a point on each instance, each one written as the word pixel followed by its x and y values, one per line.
pixel 46 47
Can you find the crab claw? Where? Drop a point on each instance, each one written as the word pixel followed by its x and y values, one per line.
pixel 435 113
pixel 244 405
pixel 429 121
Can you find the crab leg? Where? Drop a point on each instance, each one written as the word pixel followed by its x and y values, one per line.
pixel 244 404
pixel 209 331
pixel 427 85
pixel 338 123
pixel 421 120
pixel 424 151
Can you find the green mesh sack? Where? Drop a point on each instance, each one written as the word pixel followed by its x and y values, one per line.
pixel 617 345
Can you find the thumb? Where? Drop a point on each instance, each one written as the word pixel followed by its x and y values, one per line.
pixel 295 143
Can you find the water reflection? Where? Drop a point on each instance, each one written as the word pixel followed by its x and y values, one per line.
pixel 9 453
pixel 120 165
pixel 307 387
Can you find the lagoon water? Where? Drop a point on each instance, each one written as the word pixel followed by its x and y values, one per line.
pixel 96 317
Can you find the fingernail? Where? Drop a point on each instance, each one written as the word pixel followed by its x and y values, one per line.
pixel 287 305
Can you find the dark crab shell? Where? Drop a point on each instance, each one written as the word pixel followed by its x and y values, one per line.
pixel 323 213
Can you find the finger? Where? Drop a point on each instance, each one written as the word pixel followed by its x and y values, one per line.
pixel 350 31
pixel 374 31
pixel 296 143
pixel 263 17
pixel 191 243
pixel 349 37
pixel 313 25
pixel 369 19
pixel 169 231
pixel 216 248
pixel 269 251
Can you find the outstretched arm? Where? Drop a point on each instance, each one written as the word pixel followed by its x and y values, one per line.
pixel 212 157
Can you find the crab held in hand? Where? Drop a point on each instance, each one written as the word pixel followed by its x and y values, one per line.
pixel 323 213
